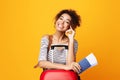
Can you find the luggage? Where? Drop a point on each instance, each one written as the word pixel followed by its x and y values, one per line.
pixel 58 75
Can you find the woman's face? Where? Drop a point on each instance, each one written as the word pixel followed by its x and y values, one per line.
pixel 63 22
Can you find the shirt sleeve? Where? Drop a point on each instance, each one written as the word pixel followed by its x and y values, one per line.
pixel 43 49
pixel 75 46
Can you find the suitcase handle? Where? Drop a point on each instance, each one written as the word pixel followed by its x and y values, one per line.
pixel 53 46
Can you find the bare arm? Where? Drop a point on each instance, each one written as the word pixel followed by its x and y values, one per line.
pixel 47 64
pixel 70 56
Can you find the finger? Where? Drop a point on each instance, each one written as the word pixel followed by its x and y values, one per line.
pixel 77 66
pixel 78 69
pixel 68 32
pixel 71 27
pixel 75 69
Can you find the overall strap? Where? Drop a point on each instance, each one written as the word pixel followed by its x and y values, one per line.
pixel 50 42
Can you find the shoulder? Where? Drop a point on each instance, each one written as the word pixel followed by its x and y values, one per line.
pixel 45 39
pixel 46 36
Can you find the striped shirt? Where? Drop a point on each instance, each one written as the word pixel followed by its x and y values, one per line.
pixel 58 56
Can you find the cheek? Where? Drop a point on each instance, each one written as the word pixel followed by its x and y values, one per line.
pixel 55 23
pixel 67 26
pixel 58 21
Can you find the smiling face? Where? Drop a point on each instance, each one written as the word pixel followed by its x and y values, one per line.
pixel 63 22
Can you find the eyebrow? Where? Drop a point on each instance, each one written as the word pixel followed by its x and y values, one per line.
pixel 67 19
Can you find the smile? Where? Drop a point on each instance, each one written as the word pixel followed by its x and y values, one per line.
pixel 60 26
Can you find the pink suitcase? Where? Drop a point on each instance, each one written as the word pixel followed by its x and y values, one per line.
pixel 58 75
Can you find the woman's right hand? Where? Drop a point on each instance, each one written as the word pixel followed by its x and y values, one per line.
pixel 70 33
pixel 73 66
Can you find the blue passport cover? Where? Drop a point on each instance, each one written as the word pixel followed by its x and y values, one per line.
pixel 87 62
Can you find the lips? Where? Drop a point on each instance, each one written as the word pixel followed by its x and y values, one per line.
pixel 60 26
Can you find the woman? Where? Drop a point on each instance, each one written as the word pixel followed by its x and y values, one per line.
pixel 66 22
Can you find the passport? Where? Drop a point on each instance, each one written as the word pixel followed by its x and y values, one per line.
pixel 88 62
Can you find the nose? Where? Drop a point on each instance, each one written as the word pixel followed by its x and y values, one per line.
pixel 62 21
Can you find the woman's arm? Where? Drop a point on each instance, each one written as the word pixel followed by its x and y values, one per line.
pixel 49 65
pixel 70 56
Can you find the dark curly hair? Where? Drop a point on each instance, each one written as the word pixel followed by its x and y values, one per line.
pixel 75 18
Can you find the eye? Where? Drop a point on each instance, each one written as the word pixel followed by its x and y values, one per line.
pixel 67 22
pixel 60 18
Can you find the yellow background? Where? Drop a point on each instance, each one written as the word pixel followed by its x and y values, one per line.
pixel 23 22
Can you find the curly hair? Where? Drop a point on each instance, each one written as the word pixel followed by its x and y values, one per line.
pixel 75 18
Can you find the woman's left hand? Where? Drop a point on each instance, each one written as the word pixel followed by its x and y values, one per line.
pixel 73 66
pixel 70 33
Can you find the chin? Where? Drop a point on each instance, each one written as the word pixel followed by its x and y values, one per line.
pixel 60 30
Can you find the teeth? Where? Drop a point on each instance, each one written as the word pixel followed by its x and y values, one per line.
pixel 60 25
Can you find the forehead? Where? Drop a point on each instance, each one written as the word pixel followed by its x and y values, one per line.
pixel 66 16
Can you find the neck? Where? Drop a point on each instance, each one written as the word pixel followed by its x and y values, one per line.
pixel 59 36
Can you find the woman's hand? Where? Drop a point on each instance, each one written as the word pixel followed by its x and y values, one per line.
pixel 73 66
pixel 70 33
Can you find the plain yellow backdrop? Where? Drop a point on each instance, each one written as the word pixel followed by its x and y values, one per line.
pixel 24 22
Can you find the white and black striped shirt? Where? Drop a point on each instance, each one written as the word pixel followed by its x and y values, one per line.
pixel 58 56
